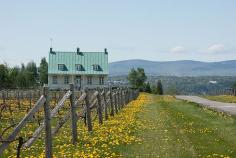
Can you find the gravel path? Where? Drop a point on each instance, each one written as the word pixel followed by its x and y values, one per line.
pixel 229 108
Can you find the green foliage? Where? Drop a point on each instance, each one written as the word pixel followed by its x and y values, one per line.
pixel 13 76
pixel 158 89
pixel 234 86
pixel 43 71
pixel 137 78
pixel 195 85
pixel 148 88
pixel 31 74
pixel 25 76
pixel 22 78
pixel 3 76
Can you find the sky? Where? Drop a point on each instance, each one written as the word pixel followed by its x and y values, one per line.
pixel 157 30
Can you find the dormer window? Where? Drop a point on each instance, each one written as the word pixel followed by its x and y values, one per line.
pixel 79 67
pixel 96 67
pixel 61 67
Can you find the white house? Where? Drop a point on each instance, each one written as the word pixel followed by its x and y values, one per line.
pixel 84 69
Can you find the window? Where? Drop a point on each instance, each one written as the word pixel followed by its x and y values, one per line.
pixel 77 79
pixel 66 79
pixel 96 67
pixel 54 79
pixel 78 67
pixel 89 80
pixel 101 80
pixel 61 67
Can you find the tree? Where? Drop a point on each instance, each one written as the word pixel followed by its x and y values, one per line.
pixel 132 77
pixel 137 78
pixel 21 78
pixel 43 71
pixel 141 78
pixel 13 73
pixel 31 74
pixel 159 89
pixel 148 88
pixel 234 86
pixel 3 76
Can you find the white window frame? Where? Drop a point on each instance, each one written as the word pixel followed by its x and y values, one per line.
pixel 66 79
pixel 95 67
pixel 78 67
pixel 89 80
pixel 54 79
pixel 61 67
pixel 101 80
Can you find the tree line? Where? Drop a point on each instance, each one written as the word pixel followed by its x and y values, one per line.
pixel 25 76
pixel 137 79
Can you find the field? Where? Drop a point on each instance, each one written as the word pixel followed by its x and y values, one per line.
pixel 98 143
pixel 150 126
pixel 174 128
pixel 222 98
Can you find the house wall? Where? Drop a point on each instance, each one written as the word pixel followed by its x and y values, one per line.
pixel 60 81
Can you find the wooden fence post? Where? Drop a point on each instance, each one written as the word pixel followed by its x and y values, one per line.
pixel 111 102
pixel 3 97
pixel 30 98
pixel 99 108
pixel 73 115
pixel 132 94
pixel 121 97
pixel 47 121
pixel 20 143
pixel 118 99
pixel 115 98
pixel 7 95
pixel 88 111
pixel 105 104
pixel 127 96
pixel 18 99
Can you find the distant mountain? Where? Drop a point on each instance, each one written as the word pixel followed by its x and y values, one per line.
pixel 175 68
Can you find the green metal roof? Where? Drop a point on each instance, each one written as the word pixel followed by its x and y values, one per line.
pixel 70 59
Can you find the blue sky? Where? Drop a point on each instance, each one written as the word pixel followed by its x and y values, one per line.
pixel 159 30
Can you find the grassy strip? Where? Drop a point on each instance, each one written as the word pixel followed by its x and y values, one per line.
pixel 222 98
pixel 173 128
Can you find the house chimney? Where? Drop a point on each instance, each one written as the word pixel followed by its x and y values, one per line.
pixel 105 50
pixel 78 50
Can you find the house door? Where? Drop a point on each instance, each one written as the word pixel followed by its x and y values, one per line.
pixel 78 82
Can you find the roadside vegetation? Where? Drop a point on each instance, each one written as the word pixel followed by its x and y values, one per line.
pixel 222 98
pixel 174 128
pixel 137 79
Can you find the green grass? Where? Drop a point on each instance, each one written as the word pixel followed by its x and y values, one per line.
pixel 222 98
pixel 168 128
pixel 174 128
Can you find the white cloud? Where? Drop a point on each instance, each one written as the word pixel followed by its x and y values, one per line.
pixel 216 48
pixel 177 49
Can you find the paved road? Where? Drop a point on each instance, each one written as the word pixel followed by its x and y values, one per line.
pixel 229 108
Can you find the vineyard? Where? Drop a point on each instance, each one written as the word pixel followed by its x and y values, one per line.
pixel 43 123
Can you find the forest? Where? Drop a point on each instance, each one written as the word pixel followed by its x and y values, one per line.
pixel 24 77
pixel 200 85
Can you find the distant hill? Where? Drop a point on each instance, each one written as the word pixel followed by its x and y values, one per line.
pixel 175 68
